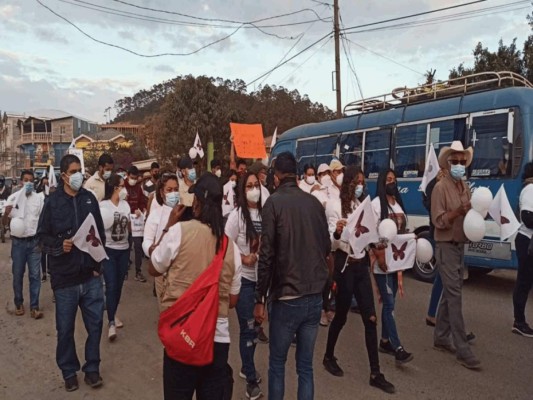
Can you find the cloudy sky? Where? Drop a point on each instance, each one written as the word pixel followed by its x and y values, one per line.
pixel 46 63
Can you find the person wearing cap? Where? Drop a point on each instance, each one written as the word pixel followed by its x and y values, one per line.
pixel 188 178
pixel 216 168
pixel 324 182
pixel 96 183
pixel 183 252
pixel 293 271
pixel 336 172
pixel 524 253
pixel 151 183
pixel 450 201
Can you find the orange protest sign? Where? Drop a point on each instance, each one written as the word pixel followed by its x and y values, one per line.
pixel 248 140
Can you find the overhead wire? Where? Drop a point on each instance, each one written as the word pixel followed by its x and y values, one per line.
pixel 349 59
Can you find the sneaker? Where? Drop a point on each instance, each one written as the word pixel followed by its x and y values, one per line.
pixel 447 348
pixel 140 277
pixel 403 357
pixel 522 329
pixel 19 310
pixel 386 347
pixel 470 337
pixel 330 363
pixel 71 384
pixel 93 379
pixel 112 332
pixel 257 375
pixel 36 313
pixel 380 382
pixel 253 391
pixel 470 362
pixel 324 319
pixel 118 323
pixel 261 336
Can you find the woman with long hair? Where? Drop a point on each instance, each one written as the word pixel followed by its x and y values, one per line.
pixel 183 253
pixel 244 228
pixel 352 276
pixel 388 204
pixel 116 247
pixel 309 182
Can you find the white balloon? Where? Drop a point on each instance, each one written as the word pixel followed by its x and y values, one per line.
pixel 193 153
pixel 387 229
pixel 424 250
pixel 17 227
pixel 474 226
pixel 481 199
pixel 107 217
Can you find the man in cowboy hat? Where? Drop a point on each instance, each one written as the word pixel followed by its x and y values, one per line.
pixel 450 202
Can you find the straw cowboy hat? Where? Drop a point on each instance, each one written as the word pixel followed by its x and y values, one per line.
pixel 456 147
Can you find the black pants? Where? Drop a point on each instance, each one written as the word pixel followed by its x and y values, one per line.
pixel 137 244
pixel 524 278
pixel 355 280
pixel 212 382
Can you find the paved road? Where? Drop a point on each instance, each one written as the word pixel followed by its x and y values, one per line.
pixel 131 366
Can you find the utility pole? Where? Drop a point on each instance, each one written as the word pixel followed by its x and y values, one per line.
pixel 336 32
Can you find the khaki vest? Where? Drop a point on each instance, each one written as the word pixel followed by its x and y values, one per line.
pixel 197 250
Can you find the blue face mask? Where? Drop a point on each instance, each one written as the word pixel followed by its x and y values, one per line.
pixel 75 181
pixel 172 198
pixel 192 175
pixel 28 186
pixel 457 171
pixel 358 191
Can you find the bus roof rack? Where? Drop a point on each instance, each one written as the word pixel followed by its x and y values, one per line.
pixel 438 90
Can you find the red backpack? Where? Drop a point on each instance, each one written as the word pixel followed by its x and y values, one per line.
pixel 187 328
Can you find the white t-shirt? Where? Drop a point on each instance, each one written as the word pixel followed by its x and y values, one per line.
pixel 305 186
pixel 117 235
pixel 236 231
pixel 27 208
pixel 154 225
pixel 322 194
pixel 168 250
pixel 334 214
pixel 526 203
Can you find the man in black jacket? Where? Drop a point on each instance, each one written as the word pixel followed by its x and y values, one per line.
pixel 293 271
pixel 75 276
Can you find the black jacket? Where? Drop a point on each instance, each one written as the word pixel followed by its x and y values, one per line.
pixel 61 217
pixel 294 244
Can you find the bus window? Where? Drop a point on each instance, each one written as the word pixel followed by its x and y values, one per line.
pixel 351 148
pixel 492 151
pixel 305 153
pixel 410 151
pixel 325 150
pixel 377 154
pixel 443 133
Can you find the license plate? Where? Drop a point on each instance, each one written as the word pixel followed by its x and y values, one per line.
pixel 489 249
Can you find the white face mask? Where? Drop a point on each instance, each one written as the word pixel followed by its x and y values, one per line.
pixel 253 195
pixel 132 182
pixel 326 180
pixel 339 179
pixel 218 173
pixel 123 194
pixel 233 184
pixel 310 180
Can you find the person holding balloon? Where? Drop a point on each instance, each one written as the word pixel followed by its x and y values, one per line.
pixel 450 202
pixel 388 204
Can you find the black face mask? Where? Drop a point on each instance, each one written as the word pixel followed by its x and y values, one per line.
pixel 391 189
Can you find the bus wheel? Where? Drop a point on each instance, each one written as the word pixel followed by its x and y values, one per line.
pixel 425 272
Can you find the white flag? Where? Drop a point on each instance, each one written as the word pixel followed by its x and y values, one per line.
pixel 361 227
pixel 198 146
pixel 400 253
pixel 18 201
pixel 228 201
pixel 274 138
pixel 500 210
pixel 72 144
pixel 52 181
pixel 431 170
pixel 87 239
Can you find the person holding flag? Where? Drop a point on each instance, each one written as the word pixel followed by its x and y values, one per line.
pixel 351 271
pixel 72 234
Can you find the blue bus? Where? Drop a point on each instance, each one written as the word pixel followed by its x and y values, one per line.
pixel 492 112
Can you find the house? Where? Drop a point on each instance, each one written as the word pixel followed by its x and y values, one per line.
pixel 102 140
pixel 10 155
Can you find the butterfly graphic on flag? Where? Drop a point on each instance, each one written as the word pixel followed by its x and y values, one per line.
pixel 226 202
pixel 500 210
pixel 88 240
pixel 92 238
pixel 398 253
pixel 359 228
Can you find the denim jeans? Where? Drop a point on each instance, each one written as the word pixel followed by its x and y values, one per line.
pixel 388 287
pixel 89 297
pixel 211 382
pixel 524 278
pixel 436 293
pixel 248 333
pixel 26 252
pixel 115 269
pixel 298 317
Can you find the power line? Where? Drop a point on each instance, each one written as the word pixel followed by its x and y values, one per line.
pixel 131 51
pixel 218 19
pixel 289 59
pixel 349 59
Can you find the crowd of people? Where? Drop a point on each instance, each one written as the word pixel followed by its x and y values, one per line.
pixel 286 261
